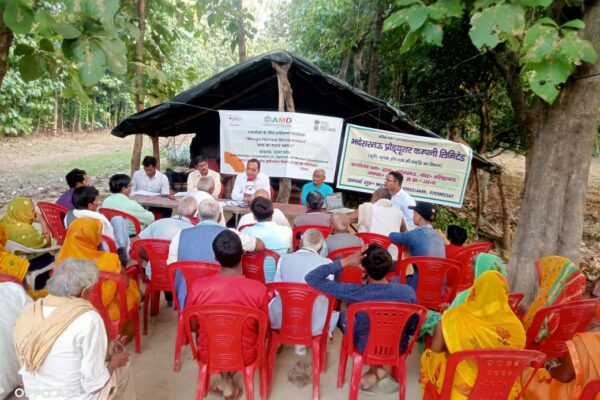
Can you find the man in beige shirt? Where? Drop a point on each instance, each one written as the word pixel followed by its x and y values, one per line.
pixel 201 165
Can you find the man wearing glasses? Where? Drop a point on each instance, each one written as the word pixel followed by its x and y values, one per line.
pixel 400 198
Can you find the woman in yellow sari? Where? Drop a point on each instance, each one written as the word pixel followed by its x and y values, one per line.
pixel 9 263
pixel 483 321
pixel 83 238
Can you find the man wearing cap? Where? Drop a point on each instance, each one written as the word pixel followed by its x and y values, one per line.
pixel 246 184
pixel 423 240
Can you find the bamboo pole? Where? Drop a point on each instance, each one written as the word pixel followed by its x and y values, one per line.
pixel 286 100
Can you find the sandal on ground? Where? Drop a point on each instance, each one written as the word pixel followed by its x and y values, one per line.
pixel 388 385
pixel 237 394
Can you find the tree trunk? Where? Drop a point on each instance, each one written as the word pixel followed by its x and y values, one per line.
pixel 374 64
pixel 285 100
pixel 156 150
pixel 55 115
pixel 345 64
pixel 357 58
pixel 484 127
pixel 241 37
pixel 136 156
pixel 93 113
pixel 552 210
pixel 6 38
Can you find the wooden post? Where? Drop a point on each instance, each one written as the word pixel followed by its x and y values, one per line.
pixel 156 150
pixel 136 156
pixel 506 233
pixel 285 101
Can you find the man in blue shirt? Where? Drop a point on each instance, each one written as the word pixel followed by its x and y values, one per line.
pixel 317 185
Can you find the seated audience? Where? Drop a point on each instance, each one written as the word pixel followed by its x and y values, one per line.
pixel 204 188
pixel 483 321
pixel 423 240
pixel 293 268
pixel 167 228
pixel 201 165
pixel 278 216
pixel 252 179
pixel 11 264
pixel 13 301
pixel 275 237
pixel 561 281
pixel 120 187
pixel 376 262
pixel 62 345
pixel 230 287
pixel 314 214
pixel 18 224
pixel 457 237
pixel 317 185
pixel 87 201
pixel 340 235
pixel 150 179
pixel 75 178
pixel 195 243
pixel 83 238
pixel 401 200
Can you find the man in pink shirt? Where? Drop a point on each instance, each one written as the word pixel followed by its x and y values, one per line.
pixel 230 287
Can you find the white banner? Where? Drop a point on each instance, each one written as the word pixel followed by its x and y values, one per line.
pixel 288 145
pixel 434 170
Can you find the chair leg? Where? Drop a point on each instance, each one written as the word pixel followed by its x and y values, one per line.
pixel 400 375
pixel 272 354
pixel 136 330
pixel 146 304
pixel 178 342
pixel 263 378
pixel 316 355
pixel 249 382
pixel 323 354
pixel 357 366
pixel 342 364
pixel 155 298
pixel 202 378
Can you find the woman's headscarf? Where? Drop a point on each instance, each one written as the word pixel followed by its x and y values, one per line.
pixel 18 223
pixel 484 262
pixel 560 281
pixel 9 263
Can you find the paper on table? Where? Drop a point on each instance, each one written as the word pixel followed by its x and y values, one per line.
pixel 182 194
pixel 145 193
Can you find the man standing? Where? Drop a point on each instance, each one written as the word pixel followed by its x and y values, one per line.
pixel 62 346
pixel 378 216
pixel 75 178
pixel 246 184
pixel 150 179
pixel 423 240
pixel 201 165
pixel 317 185
pixel 400 199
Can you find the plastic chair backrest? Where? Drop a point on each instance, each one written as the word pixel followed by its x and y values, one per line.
pixel 158 252
pixel 387 321
pixel 434 272
pixel 253 263
pixel 191 271
pixel 591 390
pixel 111 212
pixel 299 230
pixel 297 302
pixel 568 319
pixel 224 326
pixel 9 278
pixel 497 371
pixel 343 252
pixel 351 274
pixel 96 299
pixel 54 215
pixel 465 257
pixel 514 299
pixel 241 228
pixel 112 246
pixel 222 191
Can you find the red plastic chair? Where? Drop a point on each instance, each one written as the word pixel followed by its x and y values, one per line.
pixel 253 263
pixel 158 252
pixel 223 327
pixel 297 302
pixel 9 278
pixel 299 230
pixel 222 191
pixel 350 274
pixel 387 321
pixel 465 258
pixel 109 213
pixel 54 215
pixel 113 328
pixel 112 246
pixel 344 252
pixel 591 390
pixel 191 271
pixel 563 320
pixel 381 240
pixel 433 273
pixel 241 228
pixel 514 299
pixel 497 371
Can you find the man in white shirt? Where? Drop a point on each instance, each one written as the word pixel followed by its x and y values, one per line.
pixel 278 216
pixel 378 216
pixel 400 199
pixel 68 356
pixel 150 179
pixel 204 188
pixel 253 174
pixel 201 165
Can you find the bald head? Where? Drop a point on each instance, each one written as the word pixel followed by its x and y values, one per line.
pixel 381 193
pixel 262 193
pixel 339 222
pixel 206 184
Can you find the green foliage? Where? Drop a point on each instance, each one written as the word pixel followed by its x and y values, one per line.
pixel 548 52
pixel 445 218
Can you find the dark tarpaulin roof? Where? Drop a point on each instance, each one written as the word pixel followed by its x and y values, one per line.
pixel 252 85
